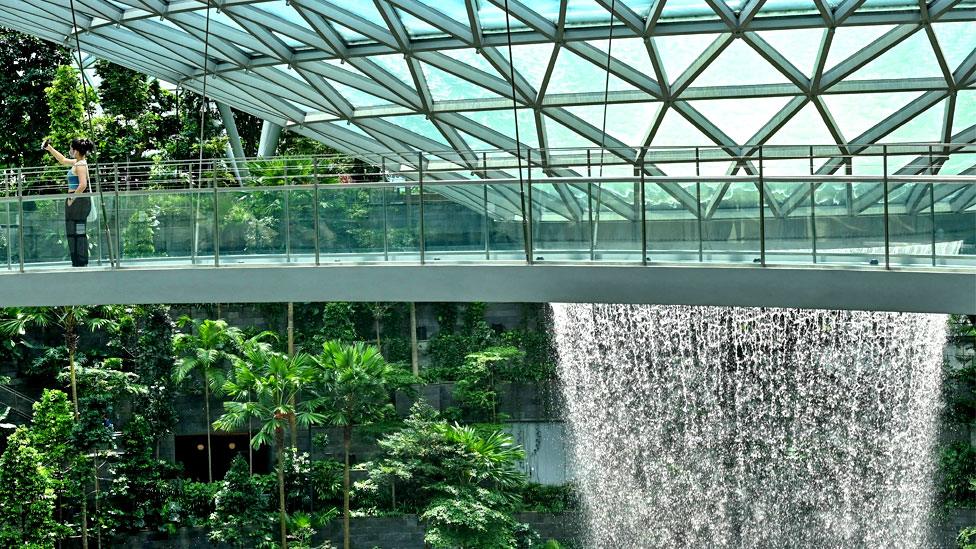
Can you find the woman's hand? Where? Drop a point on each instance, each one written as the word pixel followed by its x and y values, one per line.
pixel 46 145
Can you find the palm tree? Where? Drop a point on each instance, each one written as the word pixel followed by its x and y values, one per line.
pixel 69 319
pixel 354 385
pixel 264 385
pixel 209 352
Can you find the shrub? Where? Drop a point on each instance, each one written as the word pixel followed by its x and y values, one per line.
pixel 544 498
pixel 197 501
pixel 967 538
pixel 958 465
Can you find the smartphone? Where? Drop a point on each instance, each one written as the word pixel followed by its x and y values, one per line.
pixel 45 144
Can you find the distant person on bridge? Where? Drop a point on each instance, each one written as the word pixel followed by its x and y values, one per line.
pixel 76 210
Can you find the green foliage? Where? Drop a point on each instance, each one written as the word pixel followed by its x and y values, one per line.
pixel 196 500
pixel 538 362
pixel 142 490
pixel 958 468
pixel 65 107
pixel 354 384
pixel 144 338
pixel 475 389
pixel 469 517
pixel 966 538
pixel 102 388
pixel 463 481
pixel 122 92
pixel 242 514
pixel 544 498
pixel 30 64
pixel 27 497
pixel 139 234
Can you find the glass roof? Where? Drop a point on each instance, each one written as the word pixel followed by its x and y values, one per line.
pixel 374 76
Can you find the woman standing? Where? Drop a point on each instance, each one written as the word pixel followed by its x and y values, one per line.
pixel 76 210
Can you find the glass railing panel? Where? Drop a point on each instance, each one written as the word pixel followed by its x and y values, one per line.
pixel 849 221
pixel 455 222
pixel 164 227
pixel 789 223
pixel 506 228
pixel 730 222
pixel 560 221
pixel 616 230
pixel 43 232
pixel 360 223
pixel 9 226
pixel 910 224
pixel 672 221
pixel 955 224
pixel 299 225
pixel 251 225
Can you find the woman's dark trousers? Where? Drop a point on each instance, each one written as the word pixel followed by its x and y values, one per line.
pixel 76 227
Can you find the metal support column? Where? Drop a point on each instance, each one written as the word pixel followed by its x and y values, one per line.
pixel 813 211
pixel 698 202
pixel 20 217
pixel 420 177
pixel 216 215
pixel 527 219
pixel 884 190
pixel 762 212
pixel 484 189
pixel 315 206
pixel 643 210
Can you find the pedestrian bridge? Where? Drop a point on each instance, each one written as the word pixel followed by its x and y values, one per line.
pixel 887 234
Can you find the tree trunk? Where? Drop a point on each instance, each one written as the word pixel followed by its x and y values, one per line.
pixel 414 355
pixel 281 489
pixel 72 347
pixel 206 411
pixel 346 442
pixel 292 422
pixel 376 326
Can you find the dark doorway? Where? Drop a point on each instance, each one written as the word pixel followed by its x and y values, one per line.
pixel 191 453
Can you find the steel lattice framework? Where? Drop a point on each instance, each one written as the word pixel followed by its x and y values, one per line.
pixel 452 77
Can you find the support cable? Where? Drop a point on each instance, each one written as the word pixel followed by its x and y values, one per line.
pixel 518 142
pixel 603 129
pixel 92 174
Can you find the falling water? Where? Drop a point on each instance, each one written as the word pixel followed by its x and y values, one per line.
pixel 723 427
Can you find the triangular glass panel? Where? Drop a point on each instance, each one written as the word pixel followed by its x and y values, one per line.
pixel 573 74
pixel 578 12
pixel 927 126
pixel 561 137
pixel 676 131
pixel 627 123
pixel 798 46
pixel 477 145
pixel 679 52
pixel 454 10
pixel 531 61
pixel 630 51
pixel 956 40
pixel 357 97
pixel 417 27
pixel 805 128
pixel 849 40
pixel 419 124
pixel 444 86
pixel 640 7
pixel 859 112
pixel 740 119
pixel 365 9
pixel 687 9
pixel 965 115
pixel 349 35
pixel 911 58
pixel 788 6
pixel 470 56
pixel 503 122
pixel 396 65
pixel 739 64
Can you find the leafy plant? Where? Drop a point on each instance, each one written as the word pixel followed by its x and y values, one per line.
pixel 242 514
pixel 27 497
pixel 354 385
pixel 265 385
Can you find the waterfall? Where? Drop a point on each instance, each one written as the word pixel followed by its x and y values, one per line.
pixel 751 428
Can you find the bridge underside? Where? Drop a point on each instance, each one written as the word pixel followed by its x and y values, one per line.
pixel 821 288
